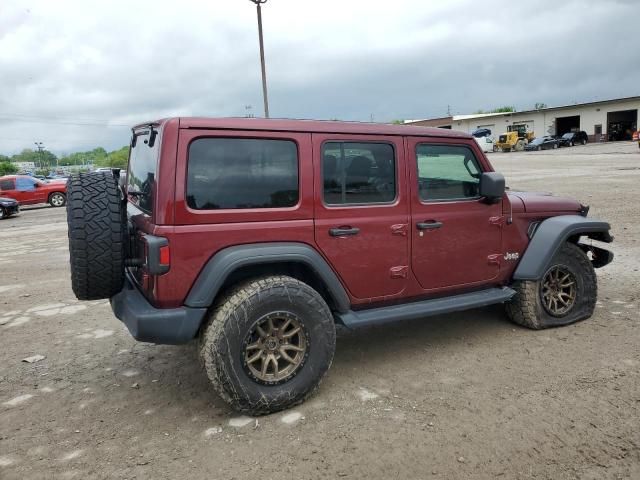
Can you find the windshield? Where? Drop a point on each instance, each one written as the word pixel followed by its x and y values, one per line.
pixel 567 135
pixel 141 174
pixel 537 141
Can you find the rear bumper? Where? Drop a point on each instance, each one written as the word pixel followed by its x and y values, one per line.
pixel 146 323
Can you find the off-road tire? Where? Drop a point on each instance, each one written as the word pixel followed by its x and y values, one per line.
pixel 221 343
pixel 526 307
pixel 95 216
pixel 57 199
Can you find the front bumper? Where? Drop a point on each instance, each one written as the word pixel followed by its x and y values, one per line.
pixel 146 323
pixel 13 209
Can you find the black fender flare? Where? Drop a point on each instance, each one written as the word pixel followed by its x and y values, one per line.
pixel 550 235
pixel 226 261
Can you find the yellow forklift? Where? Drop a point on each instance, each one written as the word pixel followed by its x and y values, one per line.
pixel 514 139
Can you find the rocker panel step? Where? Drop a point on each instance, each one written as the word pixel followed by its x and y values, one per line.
pixel 425 308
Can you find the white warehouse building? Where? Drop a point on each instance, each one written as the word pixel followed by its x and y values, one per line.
pixel 607 120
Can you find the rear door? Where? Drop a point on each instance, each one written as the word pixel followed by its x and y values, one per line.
pixel 361 219
pixel 456 236
pixel 8 188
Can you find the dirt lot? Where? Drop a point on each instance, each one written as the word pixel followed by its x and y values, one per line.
pixel 457 396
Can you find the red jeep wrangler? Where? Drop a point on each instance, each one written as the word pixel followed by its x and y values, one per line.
pixel 257 236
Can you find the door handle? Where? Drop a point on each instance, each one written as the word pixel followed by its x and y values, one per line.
pixel 430 225
pixel 343 231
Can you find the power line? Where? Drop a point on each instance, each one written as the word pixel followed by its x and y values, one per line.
pixel 76 123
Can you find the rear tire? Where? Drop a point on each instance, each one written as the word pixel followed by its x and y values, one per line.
pixel 533 307
pixel 249 328
pixel 97 229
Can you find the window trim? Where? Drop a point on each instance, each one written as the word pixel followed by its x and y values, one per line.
pixel 392 202
pixel 445 200
pixel 202 211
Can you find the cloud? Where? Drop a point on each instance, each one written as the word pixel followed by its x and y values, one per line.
pixel 75 74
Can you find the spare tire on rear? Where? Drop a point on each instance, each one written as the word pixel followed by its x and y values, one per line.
pixel 97 232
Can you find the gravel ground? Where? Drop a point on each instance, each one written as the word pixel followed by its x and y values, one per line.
pixel 466 396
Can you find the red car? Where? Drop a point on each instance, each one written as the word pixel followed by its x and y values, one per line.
pixel 30 191
pixel 256 237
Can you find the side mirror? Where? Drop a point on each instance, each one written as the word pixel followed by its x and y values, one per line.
pixel 492 186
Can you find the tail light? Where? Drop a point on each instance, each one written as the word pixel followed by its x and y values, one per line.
pixel 158 254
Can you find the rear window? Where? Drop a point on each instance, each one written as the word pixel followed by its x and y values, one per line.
pixel 235 173
pixel 357 173
pixel 141 174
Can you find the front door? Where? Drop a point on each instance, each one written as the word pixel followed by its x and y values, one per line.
pixel 29 191
pixel 456 235
pixel 362 213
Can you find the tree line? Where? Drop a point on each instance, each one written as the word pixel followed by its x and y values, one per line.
pixel 46 160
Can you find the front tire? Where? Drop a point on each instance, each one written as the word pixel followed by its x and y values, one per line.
pixel 268 344
pixel 566 293
pixel 57 199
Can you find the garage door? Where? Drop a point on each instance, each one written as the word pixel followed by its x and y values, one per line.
pixel 621 124
pixel 567 124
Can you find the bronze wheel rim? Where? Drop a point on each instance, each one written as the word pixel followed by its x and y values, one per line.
pixel 558 293
pixel 276 348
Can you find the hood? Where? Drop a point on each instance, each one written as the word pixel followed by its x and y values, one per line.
pixel 541 202
pixel 7 200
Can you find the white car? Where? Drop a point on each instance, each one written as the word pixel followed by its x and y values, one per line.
pixel 485 143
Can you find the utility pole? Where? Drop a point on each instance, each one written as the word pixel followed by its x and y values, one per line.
pixel 40 148
pixel 264 72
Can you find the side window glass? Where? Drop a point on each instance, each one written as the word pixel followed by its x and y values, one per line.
pixel 6 184
pixel 25 184
pixel 355 173
pixel 447 172
pixel 240 173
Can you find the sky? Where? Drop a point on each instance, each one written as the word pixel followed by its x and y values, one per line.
pixel 77 74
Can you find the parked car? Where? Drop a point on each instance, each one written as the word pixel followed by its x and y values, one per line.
pixel 570 139
pixel 8 207
pixel 542 143
pixel 481 132
pixel 485 143
pixel 256 237
pixel 28 190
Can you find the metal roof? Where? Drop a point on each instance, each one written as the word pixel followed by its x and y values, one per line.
pixel 315 126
